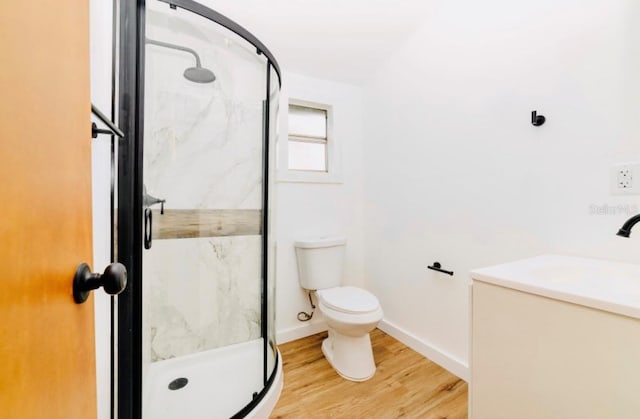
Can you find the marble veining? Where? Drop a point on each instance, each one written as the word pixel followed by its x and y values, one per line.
pixel 202 294
pixel 202 150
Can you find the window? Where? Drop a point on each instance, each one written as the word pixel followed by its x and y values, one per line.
pixel 308 143
pixel 311 149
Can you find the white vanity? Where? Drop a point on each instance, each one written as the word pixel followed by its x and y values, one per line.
pixel 556 337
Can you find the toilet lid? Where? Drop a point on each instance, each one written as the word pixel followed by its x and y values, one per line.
pixel 348 299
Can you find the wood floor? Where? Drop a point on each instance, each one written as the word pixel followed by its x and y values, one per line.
pixel 405 385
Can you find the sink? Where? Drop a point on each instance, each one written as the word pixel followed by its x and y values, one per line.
pixel 601 284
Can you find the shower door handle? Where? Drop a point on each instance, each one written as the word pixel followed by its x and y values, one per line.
pixel 113 280
pixel 148 228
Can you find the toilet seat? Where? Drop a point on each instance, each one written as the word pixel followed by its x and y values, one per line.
pixel 350 300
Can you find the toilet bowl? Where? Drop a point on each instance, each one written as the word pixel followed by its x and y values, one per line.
pixel 351 312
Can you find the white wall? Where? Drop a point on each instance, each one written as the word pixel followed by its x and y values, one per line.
pixel 100 38
pixel 306 210
pixel 327 39
pixel 455 172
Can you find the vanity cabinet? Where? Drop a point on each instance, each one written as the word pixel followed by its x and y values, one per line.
pixel 539 357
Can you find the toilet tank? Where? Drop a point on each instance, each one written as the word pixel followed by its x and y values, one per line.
pixel 320 262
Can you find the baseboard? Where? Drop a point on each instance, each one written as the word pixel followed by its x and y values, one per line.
pixel 302 331
pixel 445 360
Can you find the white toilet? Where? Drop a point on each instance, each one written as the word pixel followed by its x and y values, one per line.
pixel 351 313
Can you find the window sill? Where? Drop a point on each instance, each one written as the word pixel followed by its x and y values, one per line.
pixel 292 176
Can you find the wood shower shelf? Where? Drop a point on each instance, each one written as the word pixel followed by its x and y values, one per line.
pixel 192 223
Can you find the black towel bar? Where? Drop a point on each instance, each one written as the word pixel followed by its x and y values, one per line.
pixel 113 130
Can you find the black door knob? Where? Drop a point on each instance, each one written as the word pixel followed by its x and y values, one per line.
pixel 113 280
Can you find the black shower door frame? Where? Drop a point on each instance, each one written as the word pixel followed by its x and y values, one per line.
pixel 127 357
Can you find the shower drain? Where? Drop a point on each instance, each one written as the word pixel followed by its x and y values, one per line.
pixel 178 383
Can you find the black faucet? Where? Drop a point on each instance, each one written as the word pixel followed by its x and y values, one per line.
pixel 625 230
pixel 148 200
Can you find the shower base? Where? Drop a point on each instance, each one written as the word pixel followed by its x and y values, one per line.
pixel 218 384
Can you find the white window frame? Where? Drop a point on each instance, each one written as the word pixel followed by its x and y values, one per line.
pixel 334 167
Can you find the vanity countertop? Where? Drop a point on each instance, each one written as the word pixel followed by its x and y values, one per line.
pixel 600 284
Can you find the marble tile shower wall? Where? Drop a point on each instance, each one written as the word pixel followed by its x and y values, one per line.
pixel 203 294
pixel 203 150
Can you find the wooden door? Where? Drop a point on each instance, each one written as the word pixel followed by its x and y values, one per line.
pixel 47 362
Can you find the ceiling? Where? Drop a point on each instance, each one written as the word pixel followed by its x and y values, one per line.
pixel 340 40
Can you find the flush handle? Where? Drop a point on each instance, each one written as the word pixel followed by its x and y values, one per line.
pixel 113 280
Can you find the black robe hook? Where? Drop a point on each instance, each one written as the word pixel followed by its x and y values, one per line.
pixel 536 119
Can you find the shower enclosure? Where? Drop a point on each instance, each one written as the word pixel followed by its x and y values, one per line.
pixel 198 98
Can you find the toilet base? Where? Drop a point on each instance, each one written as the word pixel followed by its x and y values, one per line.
pixel 351 357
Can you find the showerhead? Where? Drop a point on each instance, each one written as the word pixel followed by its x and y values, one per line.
pixel 199 75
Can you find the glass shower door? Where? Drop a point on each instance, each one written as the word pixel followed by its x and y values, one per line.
pixel 204 202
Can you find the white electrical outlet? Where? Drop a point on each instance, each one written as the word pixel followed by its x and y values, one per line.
pixel 625 179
